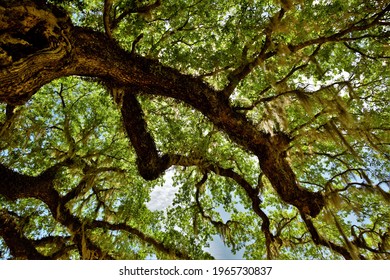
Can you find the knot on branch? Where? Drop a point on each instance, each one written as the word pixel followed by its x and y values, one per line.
pixel 29 29
pixel 33 42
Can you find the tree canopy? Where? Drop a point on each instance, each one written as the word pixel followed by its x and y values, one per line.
pixel 273 113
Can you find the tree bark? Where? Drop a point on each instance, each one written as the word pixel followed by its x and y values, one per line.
pixel 39 44
pixel 12 233
pixel 14 185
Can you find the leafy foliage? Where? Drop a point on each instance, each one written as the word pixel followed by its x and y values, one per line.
pixel 316 71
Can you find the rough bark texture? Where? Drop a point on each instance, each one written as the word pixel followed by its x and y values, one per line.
pixel 14 186
pixel 39 44
pixel 18 244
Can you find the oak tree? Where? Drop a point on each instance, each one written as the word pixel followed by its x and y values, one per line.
pixel 271 113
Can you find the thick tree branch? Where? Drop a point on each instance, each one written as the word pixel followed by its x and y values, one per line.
pixel 17 186
pixel 59 49
pixel 19 245
pixel 80 51
pixel 319 240
pixel 150 163
pixel 107 17
pixel 159 246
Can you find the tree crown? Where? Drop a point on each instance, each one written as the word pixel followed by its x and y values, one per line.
pixel 263 122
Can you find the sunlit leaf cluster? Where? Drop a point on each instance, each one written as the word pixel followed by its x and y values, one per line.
pixel 315 71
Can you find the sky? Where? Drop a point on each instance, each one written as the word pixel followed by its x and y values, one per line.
pixel 162 197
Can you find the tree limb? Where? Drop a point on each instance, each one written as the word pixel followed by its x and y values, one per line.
pixel 19 245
